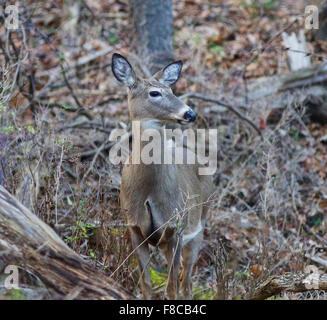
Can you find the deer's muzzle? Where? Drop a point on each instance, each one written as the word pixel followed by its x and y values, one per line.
pixel 189 116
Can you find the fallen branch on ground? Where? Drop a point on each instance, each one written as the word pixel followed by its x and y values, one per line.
pixel 299 79
pixel 290 283
pixel 29 243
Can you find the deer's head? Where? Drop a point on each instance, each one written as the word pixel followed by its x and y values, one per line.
pixel 152 98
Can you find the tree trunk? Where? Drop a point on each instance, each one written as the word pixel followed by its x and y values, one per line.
pixel 321 33
pixel 153 32
pixel 31 245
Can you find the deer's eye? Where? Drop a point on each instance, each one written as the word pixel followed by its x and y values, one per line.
pixel 154 93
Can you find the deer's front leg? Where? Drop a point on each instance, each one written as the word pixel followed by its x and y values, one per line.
pixel 143 260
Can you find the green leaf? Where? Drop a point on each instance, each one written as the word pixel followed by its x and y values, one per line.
pixel 70 203
pixel 158 279
pixel 31 129
pixel 9 129
pixel 67 107
pixel 92 254
pixel 216 49
pixel 203 293
pixel 112 39
pixel 15 294
pixel 270 5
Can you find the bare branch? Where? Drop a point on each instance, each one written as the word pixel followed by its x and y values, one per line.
pixel 228 106
pixel 81 110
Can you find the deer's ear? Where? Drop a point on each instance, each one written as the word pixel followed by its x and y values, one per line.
pixel 123 71
pixel 170 74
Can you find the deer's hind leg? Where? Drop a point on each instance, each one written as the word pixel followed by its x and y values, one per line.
pixel 189 256
pixel 170 244
pixel 143 260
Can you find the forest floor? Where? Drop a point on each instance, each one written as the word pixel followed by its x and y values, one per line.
pixel 270 216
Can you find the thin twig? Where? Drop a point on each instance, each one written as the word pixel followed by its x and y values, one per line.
pixel 81 110
pixel 97 152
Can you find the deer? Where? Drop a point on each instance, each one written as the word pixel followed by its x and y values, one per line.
pixel 152 195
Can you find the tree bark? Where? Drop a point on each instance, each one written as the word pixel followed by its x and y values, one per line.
pixel 32 245
pixel 153 32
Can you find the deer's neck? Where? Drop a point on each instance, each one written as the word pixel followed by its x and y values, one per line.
pixel 152 124
pixel 148 131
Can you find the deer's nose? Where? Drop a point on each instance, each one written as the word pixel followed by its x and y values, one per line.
pixel 189 116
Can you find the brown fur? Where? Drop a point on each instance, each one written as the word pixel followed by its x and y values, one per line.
pixel 163 203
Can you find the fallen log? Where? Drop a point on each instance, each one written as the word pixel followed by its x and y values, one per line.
pixel 289 283
pixel 32 245
pixel 304 78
